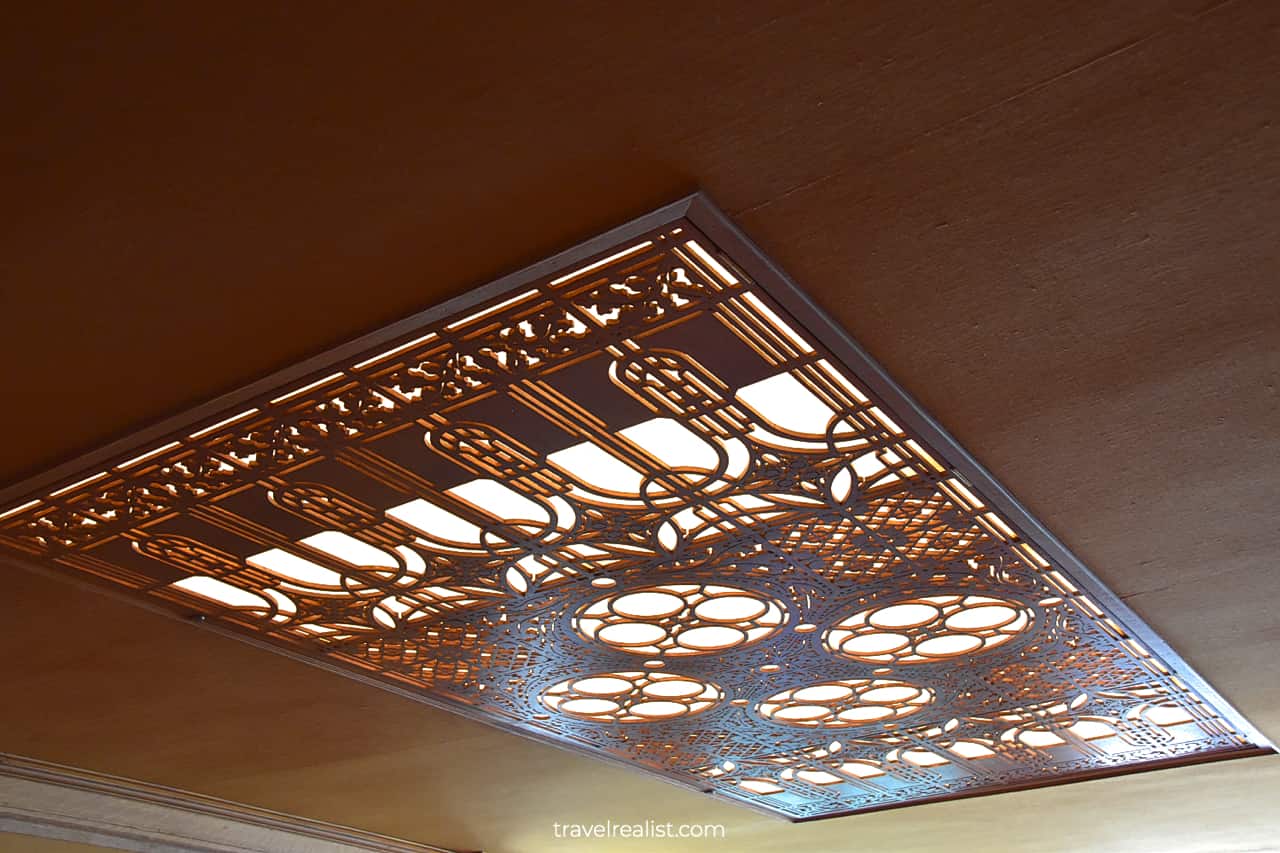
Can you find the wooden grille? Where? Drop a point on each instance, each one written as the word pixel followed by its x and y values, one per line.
pixel 644 500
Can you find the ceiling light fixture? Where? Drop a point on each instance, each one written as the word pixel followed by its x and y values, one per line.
pixel 645 500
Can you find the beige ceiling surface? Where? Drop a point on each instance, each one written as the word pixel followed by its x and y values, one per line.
pixel 1059 229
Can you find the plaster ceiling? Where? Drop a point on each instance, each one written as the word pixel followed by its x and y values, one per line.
pixel 1055 228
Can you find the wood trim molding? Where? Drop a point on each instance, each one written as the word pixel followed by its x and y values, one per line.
pixel 71 804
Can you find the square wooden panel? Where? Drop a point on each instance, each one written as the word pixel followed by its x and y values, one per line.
pixel 643 500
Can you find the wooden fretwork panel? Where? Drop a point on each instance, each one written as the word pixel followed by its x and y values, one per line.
pixel 645 501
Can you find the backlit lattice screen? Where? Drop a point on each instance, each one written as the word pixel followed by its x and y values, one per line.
pixel 628 501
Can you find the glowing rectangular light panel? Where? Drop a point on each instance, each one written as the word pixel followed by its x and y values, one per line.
pixel 644 500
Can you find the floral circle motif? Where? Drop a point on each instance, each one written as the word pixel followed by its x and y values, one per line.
pixel 631 697
pixel 680 619
pixel 928 629
pixel 843 704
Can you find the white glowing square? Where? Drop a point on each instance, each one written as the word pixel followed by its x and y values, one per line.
pixel 220 591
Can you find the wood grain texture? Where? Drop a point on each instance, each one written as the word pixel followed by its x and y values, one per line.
pixel 1056 226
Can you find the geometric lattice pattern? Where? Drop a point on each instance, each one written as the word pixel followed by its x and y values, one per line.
pixel 633 502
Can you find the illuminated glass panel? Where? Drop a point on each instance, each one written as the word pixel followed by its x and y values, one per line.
pixel 644 500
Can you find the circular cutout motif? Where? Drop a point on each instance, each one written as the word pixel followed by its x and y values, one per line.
pixel 680 619
pixel 631 697
pixel 843 704
pixel 929 628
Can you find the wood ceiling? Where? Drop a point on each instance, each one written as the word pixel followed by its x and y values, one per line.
pixel 1057 227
